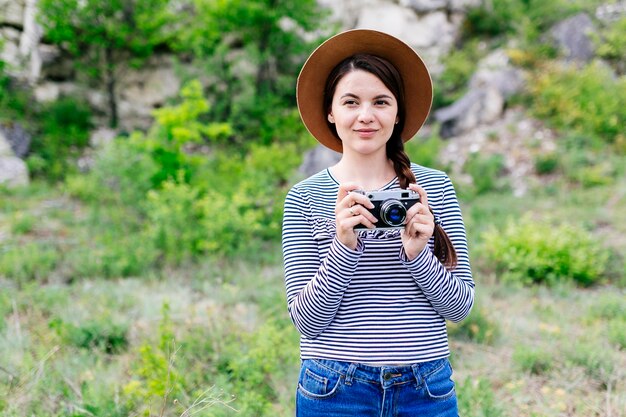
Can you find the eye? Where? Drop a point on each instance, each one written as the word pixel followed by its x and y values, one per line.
pixel 382 102
pixel 350 102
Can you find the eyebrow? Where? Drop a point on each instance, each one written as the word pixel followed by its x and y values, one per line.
pixel 375 98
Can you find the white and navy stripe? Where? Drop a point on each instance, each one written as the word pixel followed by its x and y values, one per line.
pixel 371 305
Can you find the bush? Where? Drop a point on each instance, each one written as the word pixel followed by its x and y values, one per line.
pixel 588 100
pixel 27 262
pixel 612 43
pixel 65 126
pixel 477 327
pixel 425 151
pixel 486 172
pixel 533 360
pixel 476 399
pixel 100 333
pixel 122 174
pixel 530 251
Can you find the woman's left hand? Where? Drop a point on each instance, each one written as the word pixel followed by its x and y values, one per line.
pixel 420 225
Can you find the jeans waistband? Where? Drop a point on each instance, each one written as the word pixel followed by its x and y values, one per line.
pixel 383 375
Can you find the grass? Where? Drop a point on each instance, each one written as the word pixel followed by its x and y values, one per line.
pixel 214 337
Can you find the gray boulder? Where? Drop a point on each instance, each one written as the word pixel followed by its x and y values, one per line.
pixel 572 37
pixel 318 159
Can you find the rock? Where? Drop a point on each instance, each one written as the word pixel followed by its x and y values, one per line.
pixel 611 12
pixel 496 71
pixel 494 81
pixel 571 36
pixel 12 12
pixel 101 137
pixel 424 6
pixel 13 172
pixel 10 52
pixel 317 159
pixel 17 138
pixel 477 107
pixel 5 146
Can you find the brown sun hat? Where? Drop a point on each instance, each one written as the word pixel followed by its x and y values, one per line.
pixel 418 88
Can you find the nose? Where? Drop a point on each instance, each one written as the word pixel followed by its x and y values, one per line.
pixel 366 114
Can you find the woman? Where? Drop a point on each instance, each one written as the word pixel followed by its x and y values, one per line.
pixel 371 303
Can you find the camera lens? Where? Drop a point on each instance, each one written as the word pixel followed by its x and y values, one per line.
pixel 393 212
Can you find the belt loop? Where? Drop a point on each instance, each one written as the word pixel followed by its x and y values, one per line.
pixel 350 374
pixel 416 374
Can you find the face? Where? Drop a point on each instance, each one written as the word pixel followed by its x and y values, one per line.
pixel 364 112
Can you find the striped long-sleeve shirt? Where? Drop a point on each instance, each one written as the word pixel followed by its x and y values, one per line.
pixel 371 305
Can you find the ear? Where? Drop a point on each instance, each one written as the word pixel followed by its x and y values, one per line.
pixel 397 119
pixel 331 119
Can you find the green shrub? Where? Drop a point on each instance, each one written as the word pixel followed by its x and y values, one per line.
pixel 611 44
pixel 546 163
pixel 459 66
pixel 617 332
pixel 486 172
pixel 101 333
pixel 477 399
pixel 597 361
pixel 174 222
pixel 531 251
pixel 22 223
pixel 477 327
pixel 27 262
pixel 156 380
pixel 122 174
pixel 588 100
pixel 533 360
pixel 65 126
pixel 425 151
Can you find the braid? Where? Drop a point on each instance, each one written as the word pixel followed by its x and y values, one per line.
pixel 444 249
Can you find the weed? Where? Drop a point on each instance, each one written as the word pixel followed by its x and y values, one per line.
pixel 536 361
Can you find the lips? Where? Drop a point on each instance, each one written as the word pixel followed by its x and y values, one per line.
pixel 365 133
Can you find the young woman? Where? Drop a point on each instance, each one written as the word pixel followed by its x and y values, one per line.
pixel 371 303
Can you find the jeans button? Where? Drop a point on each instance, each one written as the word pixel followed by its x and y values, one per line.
pixel 387 376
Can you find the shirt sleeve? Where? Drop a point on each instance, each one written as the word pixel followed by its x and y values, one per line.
pixel 315 285
pixel 451 293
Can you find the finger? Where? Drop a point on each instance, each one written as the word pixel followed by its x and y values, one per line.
pixel 350 222
pixel 422 193
pixel 359 211
pixel 344 190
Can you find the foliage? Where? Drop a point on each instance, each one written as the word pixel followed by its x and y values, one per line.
pixel 101 333
pixel 486 173
pixel 254 50
pixel 31 261
pixel 459 65
pixel 156 381
pixel 122 173
pixel 530 251
pixel 612 45
pixel 476 399
pixel 478 327
pixel 64 134
pixel 425 151
pixel 106 36
pixel 590 101
pixel 509 17
pixel 535 361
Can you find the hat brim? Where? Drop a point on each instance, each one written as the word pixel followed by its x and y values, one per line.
pixel 418 88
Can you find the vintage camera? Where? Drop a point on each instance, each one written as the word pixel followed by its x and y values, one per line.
pixel 390 207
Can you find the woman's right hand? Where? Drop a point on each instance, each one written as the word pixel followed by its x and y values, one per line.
pixel 351 210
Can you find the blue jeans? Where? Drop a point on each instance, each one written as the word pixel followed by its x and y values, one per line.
pixel 328 388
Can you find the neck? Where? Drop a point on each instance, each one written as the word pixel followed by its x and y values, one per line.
pixel 369 173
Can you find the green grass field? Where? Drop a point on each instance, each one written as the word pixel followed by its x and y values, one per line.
pixel 212 338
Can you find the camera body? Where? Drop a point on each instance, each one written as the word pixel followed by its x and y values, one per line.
pixel 390 207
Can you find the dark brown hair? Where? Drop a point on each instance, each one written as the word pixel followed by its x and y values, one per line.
pixel 389 75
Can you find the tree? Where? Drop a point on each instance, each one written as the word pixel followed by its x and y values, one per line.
pixel 254 50
pixel 107 36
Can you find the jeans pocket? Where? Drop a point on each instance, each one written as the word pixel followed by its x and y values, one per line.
pixel 317 381
pixel 439 385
